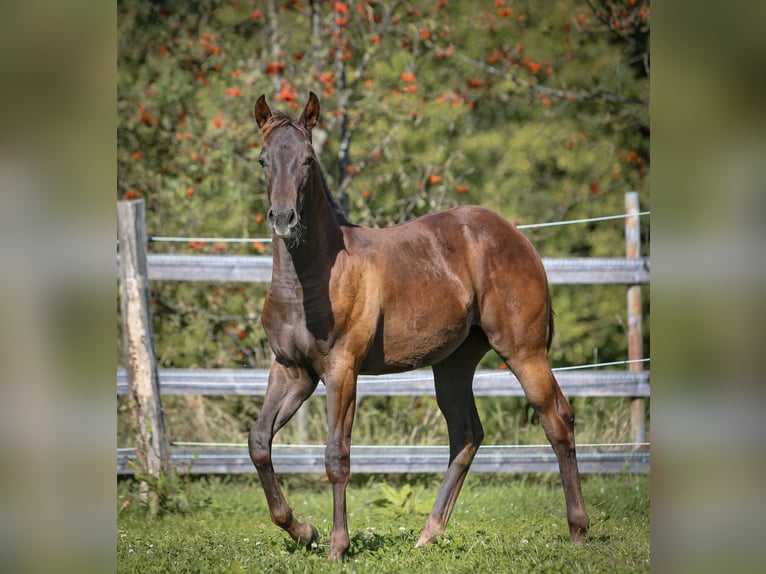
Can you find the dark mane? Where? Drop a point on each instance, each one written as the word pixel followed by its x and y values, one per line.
pixel 342 219
pixel 280 119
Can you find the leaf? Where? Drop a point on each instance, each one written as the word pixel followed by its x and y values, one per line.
pixel 232 15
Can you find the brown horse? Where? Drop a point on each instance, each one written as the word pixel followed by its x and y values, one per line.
pixel 440 290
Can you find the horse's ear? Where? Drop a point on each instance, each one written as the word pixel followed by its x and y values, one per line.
pixel 310 115
pixel 262 111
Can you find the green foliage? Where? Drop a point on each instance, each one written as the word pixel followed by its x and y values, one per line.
pixel 405 500
pixel 501 523
pixel 222 319
pixel 537 109
pixel 165 493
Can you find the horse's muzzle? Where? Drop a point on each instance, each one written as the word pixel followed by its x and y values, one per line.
pixel 283 222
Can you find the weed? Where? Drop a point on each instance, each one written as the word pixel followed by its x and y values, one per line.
pixel 405 500
pixel 167 492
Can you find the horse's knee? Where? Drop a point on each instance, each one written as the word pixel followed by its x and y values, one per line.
pixel 337 461
pixel 259 447
pixel 260 456
pixel 560 434
pixel 558 421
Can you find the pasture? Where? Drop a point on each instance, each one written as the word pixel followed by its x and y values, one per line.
pixel 501 523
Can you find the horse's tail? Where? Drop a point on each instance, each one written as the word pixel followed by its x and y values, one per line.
pixel 550 321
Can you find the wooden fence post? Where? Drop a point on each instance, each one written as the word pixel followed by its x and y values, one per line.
pixel 152 449
pixel 635 322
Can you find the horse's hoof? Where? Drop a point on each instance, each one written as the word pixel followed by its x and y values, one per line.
pixel 314 539
pixel 425 540
pixel 429 534
pixel 577 535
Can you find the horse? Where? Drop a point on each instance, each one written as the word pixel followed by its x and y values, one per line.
pixel 344 299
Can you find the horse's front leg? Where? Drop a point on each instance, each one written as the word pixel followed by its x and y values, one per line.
pixel 341 404
pixel 288 388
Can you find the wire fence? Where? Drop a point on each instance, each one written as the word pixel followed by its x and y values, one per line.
pixel 233 457
pixel 175 239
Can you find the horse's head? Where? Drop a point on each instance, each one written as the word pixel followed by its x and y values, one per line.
pixel 288 163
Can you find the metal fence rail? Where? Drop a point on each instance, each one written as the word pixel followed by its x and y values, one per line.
pixel 487 383
pixel 257 269
pixel 402 459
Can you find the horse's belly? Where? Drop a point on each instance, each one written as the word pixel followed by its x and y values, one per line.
pixel 414 341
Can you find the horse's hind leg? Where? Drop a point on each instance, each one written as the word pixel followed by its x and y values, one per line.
pixel 453 378
pixel 557 418
pixel 288 388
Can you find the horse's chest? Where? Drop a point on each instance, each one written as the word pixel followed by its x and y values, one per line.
pixel 296 338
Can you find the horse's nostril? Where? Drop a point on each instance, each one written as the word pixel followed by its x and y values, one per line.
pixel 283 220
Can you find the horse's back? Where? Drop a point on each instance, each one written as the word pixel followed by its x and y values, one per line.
pixel 470 241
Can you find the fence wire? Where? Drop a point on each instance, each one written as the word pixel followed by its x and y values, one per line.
pixel 174 239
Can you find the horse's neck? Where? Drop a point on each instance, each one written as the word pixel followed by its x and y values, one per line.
pixel 309 261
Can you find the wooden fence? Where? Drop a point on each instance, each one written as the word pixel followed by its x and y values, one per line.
pixel 631 271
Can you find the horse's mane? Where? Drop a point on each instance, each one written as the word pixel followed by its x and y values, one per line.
pixel 280 119
pixel 342 219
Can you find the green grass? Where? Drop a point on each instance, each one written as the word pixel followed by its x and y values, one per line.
pixel 501 523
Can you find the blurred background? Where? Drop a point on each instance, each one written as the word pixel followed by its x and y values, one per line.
pixel 542 116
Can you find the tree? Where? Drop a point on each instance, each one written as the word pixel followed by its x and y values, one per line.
pixel 537 109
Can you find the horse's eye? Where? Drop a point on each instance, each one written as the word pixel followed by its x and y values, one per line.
pixel 310 160
pixel 262 162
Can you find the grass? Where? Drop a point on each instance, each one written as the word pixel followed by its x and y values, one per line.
pixel 501 523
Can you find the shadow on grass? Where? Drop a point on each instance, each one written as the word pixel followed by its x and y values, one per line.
pixel 363 543
pixel 599 538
